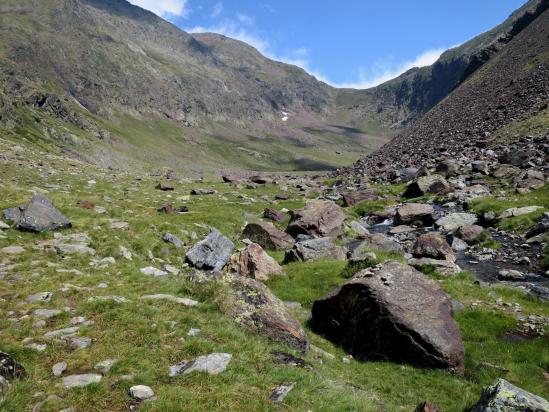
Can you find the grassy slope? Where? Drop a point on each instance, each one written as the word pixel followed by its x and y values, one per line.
pixel 139 335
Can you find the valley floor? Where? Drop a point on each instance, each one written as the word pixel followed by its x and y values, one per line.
pixel 146 337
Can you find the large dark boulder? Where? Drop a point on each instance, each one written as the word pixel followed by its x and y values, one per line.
pixel 352 198
pixel 39 215
pixel 433 245
pixel 251 304
pixel 318 218
pixel 502 396
pixel 267 236
pixel 414 212
pixel 212 253
pixel 434 184
pixel 394 312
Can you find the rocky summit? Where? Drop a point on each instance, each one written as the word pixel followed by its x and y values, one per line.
pixel 189 225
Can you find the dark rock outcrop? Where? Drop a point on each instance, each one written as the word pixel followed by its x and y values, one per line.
pixel 394 312
pixel 267 236
pixel 39 215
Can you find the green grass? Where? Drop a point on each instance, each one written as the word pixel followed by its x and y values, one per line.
pixel 521 224
pixel 142 337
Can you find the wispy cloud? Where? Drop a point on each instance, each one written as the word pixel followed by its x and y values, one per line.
pixel 164 8
pixel 217 10
pixel 245 19
pixel 382 72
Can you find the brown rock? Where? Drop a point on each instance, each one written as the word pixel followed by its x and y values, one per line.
pixel 255 262
pixel 414 212
pixel 433 245
pixel 318 218
pixel 394 312
pixel 447 168
pixel 352 198
pixel 470 233
pixel 165 186
pixel 267 236
pixel 253 305
pixel 428 184
pixel 427 407
pixel 228 178
pixel 282 196
pixel 165 208
pixel 274 214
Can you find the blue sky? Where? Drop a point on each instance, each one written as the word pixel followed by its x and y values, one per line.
pixel 348 43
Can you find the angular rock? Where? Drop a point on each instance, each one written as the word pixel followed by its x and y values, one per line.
pixel 174 240
pixel 80 381
pixel 273 214
pixel 519 211
pixel 81 342
pixel 170 298
pixel 318 218
pixel 212 253
pixel 281 391
pixel 479 166
pixel 152 271
pixel 470 233
pixel 380 242
pixel 502 396
pixel 141 392
pixel 10 369
pixel 12 250
pixel 433 245
pixel 414 212
pixel 46 313
pixel 255 262
pixel 454 221
pixel 213 364
pixel 428 184
pixel 165 186
pixel 202 192
pixel 267 236
pixel 105 366
pixel 73 244
pixel 228 178
pixel 313 249
pixel 352 198
pixel 39 215
pixel 59 368
pixel 392 312
pixel 251 304
pixel 40 297
pixel 447 168
pixel 517 158
pixel 541 227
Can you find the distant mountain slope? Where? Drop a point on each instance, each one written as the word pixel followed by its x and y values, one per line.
pixel 505 99
pixel 403 100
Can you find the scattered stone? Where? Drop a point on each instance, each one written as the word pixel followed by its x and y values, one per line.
pixel 125 253
pixel 141 392
pixel 170 298
pixel 318 218
pixel 428 184
pixel 165 186
pixel 541 227
pixel 59 368
pixel 39 215
pixel 80 381
pixel 313 249
pixel 479 166
pixel 112 298
pixel 470 233
pixel 419 331
pixel 65 332
pixel 43 297
pixel 38 347
pixel 519 211
pixel 253 261
pixel 253 305
pixel 212 253
pixel 202 192
pixel 152 271
pixel 377 241
pixel 459 245
pixel 81 342
pixel 212 364
pixel 352 198
pixel 228 178
pixel 281 391
pixel 46 313
pixel 284 358
pixel 442 267
pixel 447 168
pixel 105 366
pixel 511 275
pixel 454 221
pixel 268 236
pixel 73 244
pixel 502 396
pixel 414 212
pixel 12 250
pixel 273 214
pixel 433 245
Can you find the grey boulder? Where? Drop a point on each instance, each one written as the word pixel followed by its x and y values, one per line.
pixel 39 215
pixel 313 249
pixel 502 396
pixel 212 253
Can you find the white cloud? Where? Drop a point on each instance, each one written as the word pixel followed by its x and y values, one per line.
pixel 217 10
pixel 163 8
pixel 382 73
pixel 245 19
